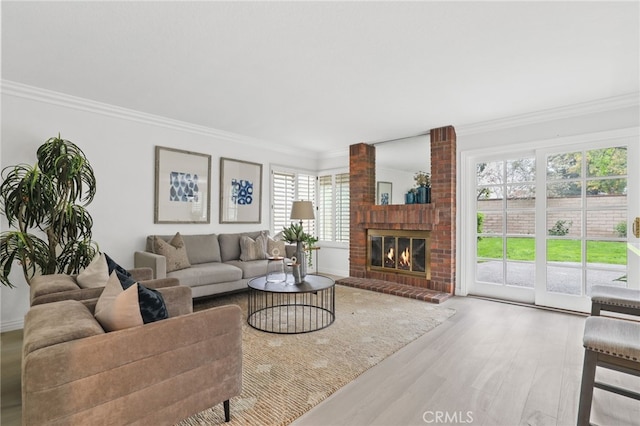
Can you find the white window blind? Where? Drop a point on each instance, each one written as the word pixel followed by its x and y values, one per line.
pixel 325 208
pixel 290 186
pixel 333 207
pixel 306 191
pixel 342 207
pixel 284 192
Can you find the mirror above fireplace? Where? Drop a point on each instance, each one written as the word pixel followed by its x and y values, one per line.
pixel 398 160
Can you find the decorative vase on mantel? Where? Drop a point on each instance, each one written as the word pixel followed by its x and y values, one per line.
pixel 410 198
pixel 424 194
pixel 301 258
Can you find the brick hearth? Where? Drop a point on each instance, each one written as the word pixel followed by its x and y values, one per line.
pixel 396 289
pixel 438 217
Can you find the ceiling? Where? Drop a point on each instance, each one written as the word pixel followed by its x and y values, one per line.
pixel 323 75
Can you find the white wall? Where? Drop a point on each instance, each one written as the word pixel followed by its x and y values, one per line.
pixel 120 146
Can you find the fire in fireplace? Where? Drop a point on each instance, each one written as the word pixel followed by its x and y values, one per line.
pixel 404 252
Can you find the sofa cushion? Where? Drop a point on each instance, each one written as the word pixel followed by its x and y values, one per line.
pixel 117 308
pixel 251 269
pixel 58 322
pixel 53 283
pixel 230 244
pixel 202 248
pixel 174 251
pixel 207 273
pixel 276 248
pixel 95 274
pixel 251 249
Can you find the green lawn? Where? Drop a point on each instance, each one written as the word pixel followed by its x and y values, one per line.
pixel 557 250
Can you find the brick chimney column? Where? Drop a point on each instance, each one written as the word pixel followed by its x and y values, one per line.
pixel 362 195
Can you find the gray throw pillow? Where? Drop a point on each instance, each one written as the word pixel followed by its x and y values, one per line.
pixel 174 251
pixel 251 249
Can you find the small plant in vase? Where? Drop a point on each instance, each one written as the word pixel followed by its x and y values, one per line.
pixel 294 234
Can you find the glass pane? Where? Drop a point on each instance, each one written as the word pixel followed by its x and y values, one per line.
pixel 564 195
pixel 491 196
pixel 521 196
pixel 564 166
pixel 521 170
pixel 490 247
pixel 607 223
pixel 490 271
pixel 489 222
pixel 522 223
pixel 607 188
pixel 610 278
pixel 521 249
pixel 607 253
pixel 520 274
pixel 564 251
pixel 607 162
pixel 564 280
pixel 490 173
pixel 564 223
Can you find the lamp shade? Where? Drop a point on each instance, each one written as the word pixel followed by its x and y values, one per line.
pixel 302 210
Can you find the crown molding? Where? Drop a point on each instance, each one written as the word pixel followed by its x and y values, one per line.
pixel 24 91
pixel 592 107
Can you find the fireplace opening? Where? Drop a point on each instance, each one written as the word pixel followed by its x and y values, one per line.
pixel 399 251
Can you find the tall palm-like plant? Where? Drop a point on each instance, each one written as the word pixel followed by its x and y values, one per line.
pixel 50 197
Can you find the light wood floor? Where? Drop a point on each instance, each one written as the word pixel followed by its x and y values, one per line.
pixel 490 364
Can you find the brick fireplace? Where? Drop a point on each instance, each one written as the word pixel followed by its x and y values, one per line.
pixel 438 217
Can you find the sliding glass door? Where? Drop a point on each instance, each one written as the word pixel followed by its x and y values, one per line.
pixel 552 223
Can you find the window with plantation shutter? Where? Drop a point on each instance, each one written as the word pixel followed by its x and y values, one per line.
pixel 333 208
pixel 283 194
pixel 325 208
pixel 287 187
pixel 342 208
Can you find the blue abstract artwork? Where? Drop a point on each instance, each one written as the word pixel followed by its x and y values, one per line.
pixel 384 198
pixel 241 191
pixel 183 187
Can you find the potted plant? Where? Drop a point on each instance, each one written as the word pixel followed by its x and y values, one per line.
pixel 423 185
pixel 294 234
pixel 50 197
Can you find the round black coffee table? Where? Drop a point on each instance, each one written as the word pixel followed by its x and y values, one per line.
pixel 286 308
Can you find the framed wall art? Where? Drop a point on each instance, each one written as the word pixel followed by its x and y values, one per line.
pixel 240 191
pixel 183 186
pixel 383 192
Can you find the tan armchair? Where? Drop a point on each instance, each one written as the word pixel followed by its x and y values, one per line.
pixel 73 373
pixel 56 287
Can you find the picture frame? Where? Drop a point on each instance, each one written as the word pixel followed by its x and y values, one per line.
pixel 182 186
pixel 240 191
pixel 384 193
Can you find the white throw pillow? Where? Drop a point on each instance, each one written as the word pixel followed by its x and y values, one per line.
pixel 95 274
pixel 116 308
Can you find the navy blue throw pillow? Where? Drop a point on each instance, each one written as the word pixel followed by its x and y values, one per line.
pixel 151 302
pixel 113 266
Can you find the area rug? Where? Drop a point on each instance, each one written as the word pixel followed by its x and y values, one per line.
pixel 284 376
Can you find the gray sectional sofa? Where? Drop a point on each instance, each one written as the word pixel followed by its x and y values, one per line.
pixel 215 268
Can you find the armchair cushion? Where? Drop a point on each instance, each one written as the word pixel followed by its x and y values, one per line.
pixel 95 274
pixel 118 309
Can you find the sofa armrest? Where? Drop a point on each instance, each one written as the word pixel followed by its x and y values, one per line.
pixel 157 263
pixel 158 373
pixel 178 300
pixel 161 283
pixel 141 274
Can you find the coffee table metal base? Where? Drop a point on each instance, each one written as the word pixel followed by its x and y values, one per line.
pixel 291 312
